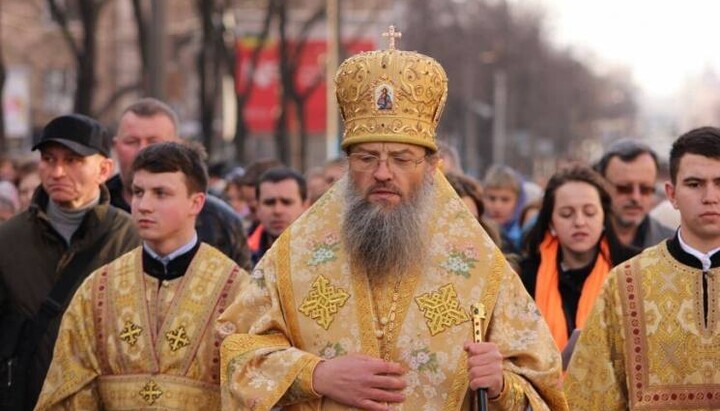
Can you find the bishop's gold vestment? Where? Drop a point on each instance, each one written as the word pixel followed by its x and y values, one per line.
pixel 129 342
pixel 646 345
pixel 304 303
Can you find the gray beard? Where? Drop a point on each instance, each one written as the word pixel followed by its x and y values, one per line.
pixel 385 241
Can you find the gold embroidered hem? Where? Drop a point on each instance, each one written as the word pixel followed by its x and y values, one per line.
pixel 148 391
pixel 239 344
pixel 646 346
pixel 159 341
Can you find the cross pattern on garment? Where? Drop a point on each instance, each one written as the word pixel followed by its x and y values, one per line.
pixel 323 302
pixel 151 392
pixel 391 34
pixel 441 309
pixel 130 333
pixel 177 338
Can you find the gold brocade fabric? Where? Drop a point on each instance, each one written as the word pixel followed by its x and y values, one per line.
pixel 128 341
pixel 391 96
pixel 303 303
pixel 646 345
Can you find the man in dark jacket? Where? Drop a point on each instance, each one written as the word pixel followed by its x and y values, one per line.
pixel 631 168
pixel 69 230
pixel 149 121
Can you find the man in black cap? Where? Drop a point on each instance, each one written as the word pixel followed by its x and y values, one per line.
pixel 69 230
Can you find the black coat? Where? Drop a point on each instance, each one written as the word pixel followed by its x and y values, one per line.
pixel 35 256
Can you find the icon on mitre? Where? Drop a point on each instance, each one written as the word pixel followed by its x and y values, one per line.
pixel 384 97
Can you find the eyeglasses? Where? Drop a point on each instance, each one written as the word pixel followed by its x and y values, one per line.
pixel 630 188
pixel 364 162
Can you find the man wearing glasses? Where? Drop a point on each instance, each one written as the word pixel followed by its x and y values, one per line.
pixel 364 301
pixel 631 168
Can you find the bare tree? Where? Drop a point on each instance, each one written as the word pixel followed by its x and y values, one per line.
pixel 208 62
pixel 551 96
pixel 143 41
pixel 290 50
pixel 244 86
pixel 84 49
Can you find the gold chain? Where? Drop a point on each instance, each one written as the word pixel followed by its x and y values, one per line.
pixel 385 324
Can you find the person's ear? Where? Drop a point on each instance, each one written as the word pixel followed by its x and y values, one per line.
pixel 670 193
pixel 198 202
pixel 105 166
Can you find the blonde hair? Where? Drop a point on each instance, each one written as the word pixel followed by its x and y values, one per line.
pixel 499 176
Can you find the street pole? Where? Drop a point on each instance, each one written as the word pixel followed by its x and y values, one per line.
pixel 332 62
pixel 471 153
pixel 499 127
pixel 156 59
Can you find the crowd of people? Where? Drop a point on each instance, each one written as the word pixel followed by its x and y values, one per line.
pixel 132 278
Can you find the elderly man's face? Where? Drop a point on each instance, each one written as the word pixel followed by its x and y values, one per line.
pixel 137 132
pixel 70 179
pixel 389 173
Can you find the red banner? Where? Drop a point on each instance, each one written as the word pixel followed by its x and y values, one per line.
pixel 263 106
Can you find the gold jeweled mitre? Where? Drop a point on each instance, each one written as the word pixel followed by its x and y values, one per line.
pixel 391 96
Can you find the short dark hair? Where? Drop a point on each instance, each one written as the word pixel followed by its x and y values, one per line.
pixel 171 157
pixel 627 150
pixel 256 169
pixel 703 141
pixel 577 173
pixel 150 107
pixel 278 174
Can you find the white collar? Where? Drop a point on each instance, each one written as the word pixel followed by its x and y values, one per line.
pixel 703 257
pixel 180 251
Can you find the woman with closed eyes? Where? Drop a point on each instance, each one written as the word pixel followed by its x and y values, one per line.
pixel 570 250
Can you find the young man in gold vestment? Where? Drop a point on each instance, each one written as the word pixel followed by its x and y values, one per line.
pixel 139 332
pixel 651 341
pixel 364 301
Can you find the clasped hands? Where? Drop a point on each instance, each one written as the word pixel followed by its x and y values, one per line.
pixel 373 384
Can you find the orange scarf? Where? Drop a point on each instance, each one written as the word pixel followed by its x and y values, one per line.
pixel 547 291
pixel 254 239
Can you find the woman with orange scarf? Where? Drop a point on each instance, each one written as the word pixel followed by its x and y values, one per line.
pixel 570 250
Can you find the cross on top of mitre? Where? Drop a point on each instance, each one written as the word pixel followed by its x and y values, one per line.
pixel 391 34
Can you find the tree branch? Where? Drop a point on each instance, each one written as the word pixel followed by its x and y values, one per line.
pixel 116 96
pixel 142 30
pixel 60 16
pixel 255 56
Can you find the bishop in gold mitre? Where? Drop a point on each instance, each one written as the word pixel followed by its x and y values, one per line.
pixel 364 302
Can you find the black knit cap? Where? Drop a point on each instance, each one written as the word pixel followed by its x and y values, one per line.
pixel 81 134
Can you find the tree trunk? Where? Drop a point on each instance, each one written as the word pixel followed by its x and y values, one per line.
pixel 282 146
pixel 208 71
pixel 241 129
pixel 143 42
pixel 302 132
pixel 242 91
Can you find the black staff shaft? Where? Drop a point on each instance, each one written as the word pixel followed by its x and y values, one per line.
pixel 482 400
pixel 478 314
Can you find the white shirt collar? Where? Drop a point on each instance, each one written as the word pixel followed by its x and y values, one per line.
pixel 171 256
pixel 703 257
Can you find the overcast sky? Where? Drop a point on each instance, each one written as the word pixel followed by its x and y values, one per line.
pixel 662 41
